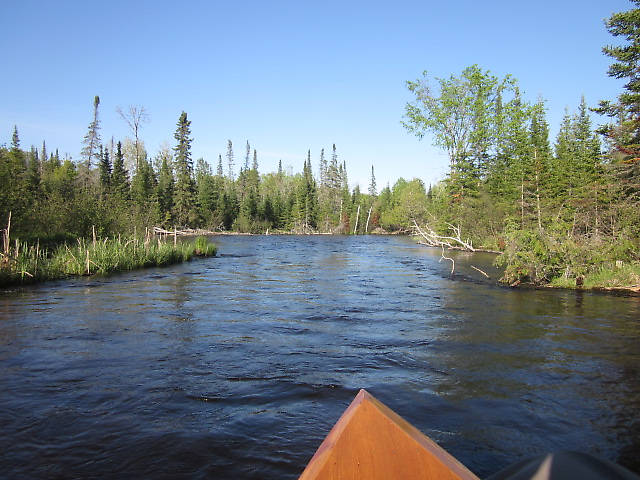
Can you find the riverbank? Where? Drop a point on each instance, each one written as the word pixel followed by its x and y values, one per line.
pixel 26 264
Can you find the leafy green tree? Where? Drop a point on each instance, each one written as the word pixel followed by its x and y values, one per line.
pixel 461 114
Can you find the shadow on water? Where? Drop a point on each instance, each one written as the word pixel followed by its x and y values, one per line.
pixel 238 366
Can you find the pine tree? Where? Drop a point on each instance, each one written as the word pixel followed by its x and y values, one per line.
pixel 92 138
pixel 165 190
pixel 119 175
pixel 587 146
pixel 34 178
pixel 230 160
pixel 625 135
pixel 537 172
pixel 43 157
pixel 254 165
pixel 105 170
pixel 323 169
pixel 247 156
pixel 372 184
pixel 333 175
pixel 185 195
pixel 219 171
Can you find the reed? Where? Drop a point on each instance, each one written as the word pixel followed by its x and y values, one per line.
pixel 22 263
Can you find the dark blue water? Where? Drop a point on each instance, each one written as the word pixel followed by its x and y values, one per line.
pixel 238 366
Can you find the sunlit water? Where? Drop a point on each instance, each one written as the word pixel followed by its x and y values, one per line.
pixel 238 366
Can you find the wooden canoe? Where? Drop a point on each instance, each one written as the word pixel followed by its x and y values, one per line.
pixel 370 441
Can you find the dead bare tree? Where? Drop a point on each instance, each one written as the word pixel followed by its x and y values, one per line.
pixel 135 117
pixel 366 228
pixel 433 239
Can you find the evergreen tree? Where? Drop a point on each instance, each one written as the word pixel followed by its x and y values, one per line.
pixel 333 175
pixel 219 171
pixel 230 160
pixel 34 178
pixel 254 165
pixel 105 170
pixel 143 186
pixel 323 169
pixel 184 195
pixel 119 175
pixel 247 156
pixel 372 184
pixel 92 138
pixel 625 135
pixel 165 190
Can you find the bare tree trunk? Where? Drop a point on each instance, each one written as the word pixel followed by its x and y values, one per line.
pixel 355 229
pixel 522 203
pixel 366 228
pixel 535 156
pixel 435 240
pixel 597 222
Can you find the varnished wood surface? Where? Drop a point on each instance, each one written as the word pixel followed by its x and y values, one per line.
pixel 372 442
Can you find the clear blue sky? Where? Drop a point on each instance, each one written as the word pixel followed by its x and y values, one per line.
pixel 287 76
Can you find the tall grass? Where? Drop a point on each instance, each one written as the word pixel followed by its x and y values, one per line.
pixel 23 263
pixel 607 276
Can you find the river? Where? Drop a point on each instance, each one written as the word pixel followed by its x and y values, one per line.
pixel 237 366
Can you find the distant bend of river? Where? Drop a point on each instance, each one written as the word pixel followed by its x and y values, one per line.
pixel 238 366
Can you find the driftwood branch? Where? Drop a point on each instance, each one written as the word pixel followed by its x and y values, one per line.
pixel 433 239
pixel 478 270
pixel 176 232
pixel 453 263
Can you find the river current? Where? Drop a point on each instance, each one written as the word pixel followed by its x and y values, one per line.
pixel 237 366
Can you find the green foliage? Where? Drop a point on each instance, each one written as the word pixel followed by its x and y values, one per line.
pixel 464 114
pixel 184 196
pixel 31 263
pixel 624 134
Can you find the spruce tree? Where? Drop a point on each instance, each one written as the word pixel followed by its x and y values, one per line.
pixel 247 156
pixel 254 165
pixel 105 170
pixel 230 160
pixel 165 190
pixel 372 184
pixel 323 169
pixel 625 134
pixel 185 195
pixel 219 171
pixel 92 138
pixel 119 175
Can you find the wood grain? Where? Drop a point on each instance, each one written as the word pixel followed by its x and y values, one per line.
pixel 370 441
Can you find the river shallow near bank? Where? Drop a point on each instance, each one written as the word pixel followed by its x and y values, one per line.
pixel 237 366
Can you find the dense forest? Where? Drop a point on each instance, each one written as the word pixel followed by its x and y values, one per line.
pixel 559 209
pixel 117 187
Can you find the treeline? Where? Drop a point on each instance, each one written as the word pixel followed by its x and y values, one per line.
pixel 117 187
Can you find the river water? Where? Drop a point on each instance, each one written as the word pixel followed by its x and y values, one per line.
pixel 238 366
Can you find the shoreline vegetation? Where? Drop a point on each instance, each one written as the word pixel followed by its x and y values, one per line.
pixel 23 264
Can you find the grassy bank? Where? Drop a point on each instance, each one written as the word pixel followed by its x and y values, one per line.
pixel 607 277
pixel 23 263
